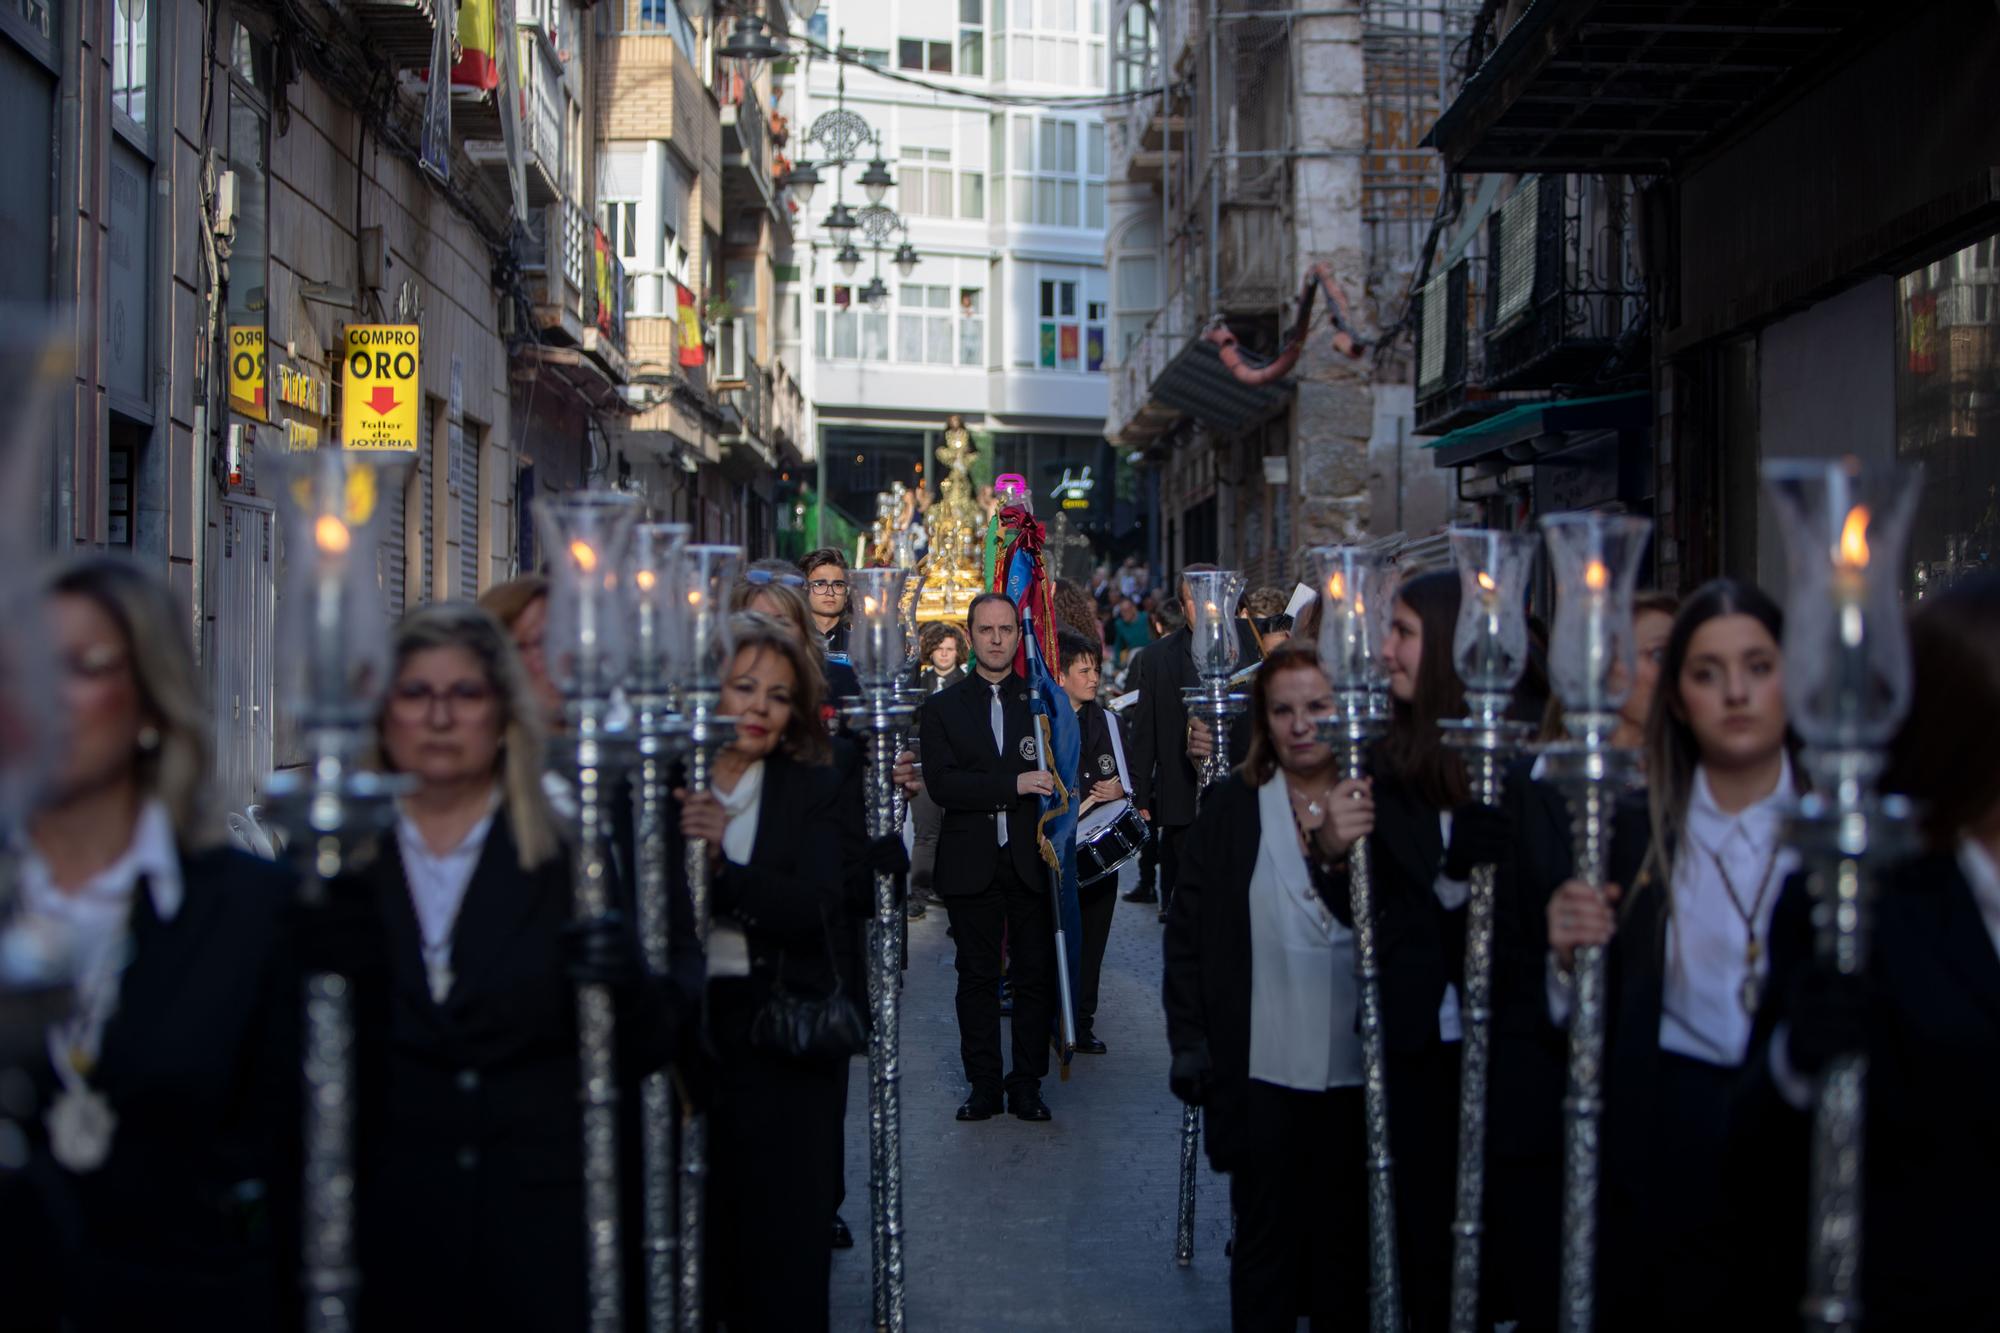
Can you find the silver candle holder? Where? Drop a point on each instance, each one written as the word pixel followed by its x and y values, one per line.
pixel 1212 599
pixel 339 667
pixel 1847 687
pixel 1356 591
pixel 1489 651
pixel 586 536
pixel 877 644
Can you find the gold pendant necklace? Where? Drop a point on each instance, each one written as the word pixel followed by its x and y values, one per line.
pixel 1752 990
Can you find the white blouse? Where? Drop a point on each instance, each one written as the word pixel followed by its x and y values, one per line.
pixel 728 949
pixel 1303 991
pixel 437 882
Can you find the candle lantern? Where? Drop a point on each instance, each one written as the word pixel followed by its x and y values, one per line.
pixel 587 535
pixel 1489 645
pixel 701 653
pixel 335 668
pixel 1596 559
pixel 878 645
pixel 1213 595
pixel 652 590
pixel 1847 686
pixel 1356 587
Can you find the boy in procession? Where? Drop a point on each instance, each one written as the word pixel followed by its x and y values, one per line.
pixel 1101 757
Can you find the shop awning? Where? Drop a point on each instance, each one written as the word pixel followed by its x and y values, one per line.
pixel 1523 432
pixel 1634 85
pixel 1197 383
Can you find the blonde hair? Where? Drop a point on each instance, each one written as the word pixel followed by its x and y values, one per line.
pixel 175 772
pixel 477 631
pixel 506 601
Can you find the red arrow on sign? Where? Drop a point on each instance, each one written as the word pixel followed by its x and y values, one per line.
pixel 383 402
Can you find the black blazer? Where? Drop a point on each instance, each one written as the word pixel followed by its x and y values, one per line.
pixel 1163 778
pixel 930 681
pixel 186 1224
pixel 1931 1151
pixel 972 782
pixel 471 1190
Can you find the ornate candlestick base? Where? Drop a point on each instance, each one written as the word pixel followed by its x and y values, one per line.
pixel 1485 739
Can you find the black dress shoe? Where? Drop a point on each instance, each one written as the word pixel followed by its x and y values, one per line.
pixel 980 1106
pixel 843 1239
pixel 1088 1044
pixel 1140 894
pixel 1027 1104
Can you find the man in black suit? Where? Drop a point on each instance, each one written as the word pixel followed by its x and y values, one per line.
pixel 981 764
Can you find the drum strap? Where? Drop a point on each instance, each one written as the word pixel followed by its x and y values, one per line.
pixel 1118 750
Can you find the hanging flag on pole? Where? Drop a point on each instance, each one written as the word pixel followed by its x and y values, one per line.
pixel 1022 578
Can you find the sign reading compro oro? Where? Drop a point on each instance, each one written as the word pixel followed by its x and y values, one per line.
pixel 378 387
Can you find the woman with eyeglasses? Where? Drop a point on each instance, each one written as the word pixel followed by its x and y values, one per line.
pixel 471 1192
pixel 773 822
pixel 160 1157
pixel 1696 871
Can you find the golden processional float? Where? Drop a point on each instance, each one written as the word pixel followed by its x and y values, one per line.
pixel 952 571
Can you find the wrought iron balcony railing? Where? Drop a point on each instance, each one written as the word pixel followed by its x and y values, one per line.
pixel 1565 282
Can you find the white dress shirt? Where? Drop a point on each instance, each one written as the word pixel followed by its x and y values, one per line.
pixel 1701 1009
pixel 1303 991
pixel 438 881
pixel 95 920
pixel 728 948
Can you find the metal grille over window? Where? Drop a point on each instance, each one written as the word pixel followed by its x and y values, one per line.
pixel 1516 222
pixel 465 452
pixel 426 437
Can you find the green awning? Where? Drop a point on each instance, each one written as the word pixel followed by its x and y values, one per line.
pixel 1533 421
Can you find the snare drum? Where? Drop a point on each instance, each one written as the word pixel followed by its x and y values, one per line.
pixel 1106 838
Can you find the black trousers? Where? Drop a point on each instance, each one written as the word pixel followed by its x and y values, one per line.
pixel 774 1168
pixel 1169 839
pixel 1098 902
pixel 1301 1202
pixel 1019 913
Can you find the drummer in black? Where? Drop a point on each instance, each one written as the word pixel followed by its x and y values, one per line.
pixel 1102 779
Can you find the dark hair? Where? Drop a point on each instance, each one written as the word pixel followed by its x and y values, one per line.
pixel 981 600
pixel 1075 611
pixel 935 633
pixel 1937 759
pixel 1071 646
pixel 1260 761
pixel 825 555
pixel 1414 751
pixel 1672 752
pixel 1653 603
pixel 1170 616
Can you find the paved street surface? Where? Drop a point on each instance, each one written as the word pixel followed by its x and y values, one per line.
pixel 1066 1225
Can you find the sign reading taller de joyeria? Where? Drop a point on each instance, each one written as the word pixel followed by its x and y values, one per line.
pixel 379 395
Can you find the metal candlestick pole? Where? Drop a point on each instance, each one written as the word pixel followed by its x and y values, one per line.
pixel 703 733
pixel 1214 705
pixel 1485 738
pixel 655 936
pixel 595 1022
pixel 1844 830
pixel 1591 773
pixel 1350 731
pixel 885 720
pixel 329 805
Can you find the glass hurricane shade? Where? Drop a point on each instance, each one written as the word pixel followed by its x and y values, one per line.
pixel 805 9
pixel 1489 645
pixel 1847 653
pixel 876 290
pixel 840 221
pixel 876 180
pixel 1213 595
pixel 1595 562
pixel 876 643
pixel 330 503
pixel 906 259
pixel 1356 590
pixel 651 587
pixel 748 41
pixel 586 537
pixel 703 644
pixel 847 260
pixel 802 180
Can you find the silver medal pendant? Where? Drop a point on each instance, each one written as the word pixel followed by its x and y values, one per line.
pixel 81 1124
pixel 1751 991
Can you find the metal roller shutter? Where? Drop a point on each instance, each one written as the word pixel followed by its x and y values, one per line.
pixel 395 544
pixel 426 438
pixel 465 451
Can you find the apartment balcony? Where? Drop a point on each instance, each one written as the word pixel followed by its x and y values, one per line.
pixel 788 409
pixel 747 449
pixel 576 291
pixel 541 128
pixel 746 153
pixel 1566 286
pixel 402 29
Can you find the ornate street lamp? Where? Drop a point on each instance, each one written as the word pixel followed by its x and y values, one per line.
pixel 801 180
pixel 748 41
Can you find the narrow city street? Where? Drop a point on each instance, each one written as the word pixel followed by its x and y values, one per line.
pixel 1067 1225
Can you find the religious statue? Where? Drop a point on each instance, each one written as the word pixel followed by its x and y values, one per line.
pixel 951 570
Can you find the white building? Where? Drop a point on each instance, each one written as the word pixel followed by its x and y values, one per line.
pixel 1004 319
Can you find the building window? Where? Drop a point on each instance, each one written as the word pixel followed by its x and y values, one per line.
pixel 1051 183
pixel 846 330
pixel 1068 342
pixel 971 326
pixel 924 188
pixel 971 194
pixel 131 56
pixel 933 57
pixel 1048 42
pixel 971 38
pixel 1135 53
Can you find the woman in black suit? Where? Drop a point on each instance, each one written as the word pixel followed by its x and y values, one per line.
pixel 1261 1008
pixel 1696 867
pixel 163 1129
pixel 471 1188
pixel 1926 1013
pixel 772 821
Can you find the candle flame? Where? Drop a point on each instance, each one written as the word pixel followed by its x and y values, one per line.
pixel 330 534
pixel 867 606
pixel 1486 582
pixel 1596 577
pixel 1336 587
pixel 694 596
pixel 1854 537
pixel 584 554
pixel 645 579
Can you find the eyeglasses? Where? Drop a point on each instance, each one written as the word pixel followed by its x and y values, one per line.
pixel 416 699
pixel 828 585
pixel 763 577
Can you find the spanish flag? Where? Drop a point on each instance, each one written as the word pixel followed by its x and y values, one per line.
pixel 692 353
pixel 478 67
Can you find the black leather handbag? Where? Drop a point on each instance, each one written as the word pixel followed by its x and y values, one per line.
pixel 818 1028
